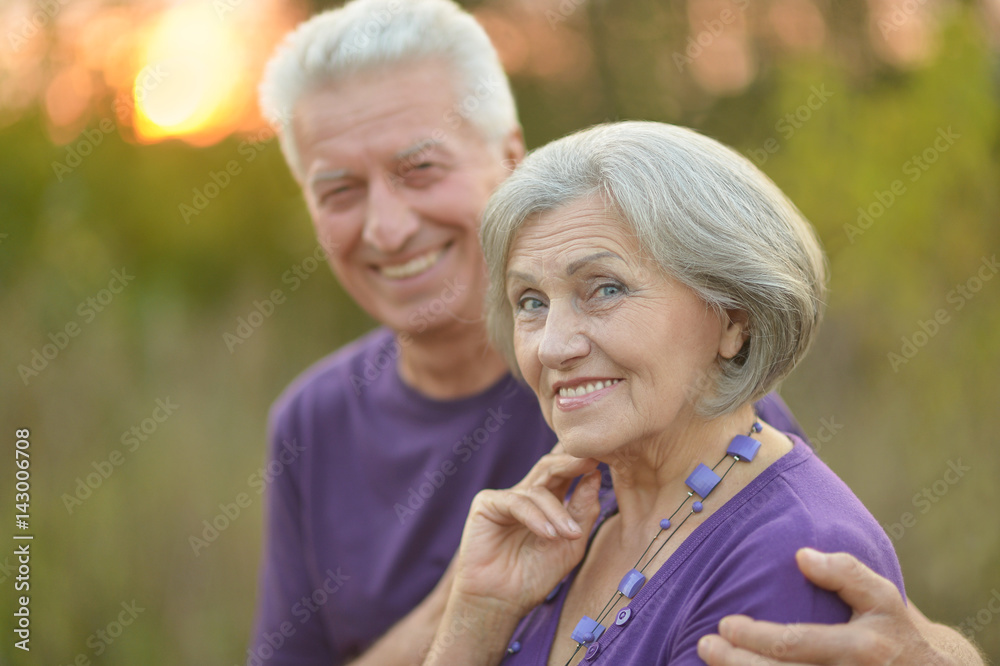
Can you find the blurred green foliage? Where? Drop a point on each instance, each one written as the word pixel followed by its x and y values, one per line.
pixel 889 432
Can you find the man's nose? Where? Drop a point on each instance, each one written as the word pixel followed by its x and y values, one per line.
pixel 389 220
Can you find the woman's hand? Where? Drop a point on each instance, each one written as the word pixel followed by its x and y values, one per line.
pixel 519 543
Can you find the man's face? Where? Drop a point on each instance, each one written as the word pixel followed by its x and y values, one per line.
pixel 396 181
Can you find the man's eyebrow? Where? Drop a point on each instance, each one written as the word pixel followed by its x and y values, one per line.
pixel 320 176
pixel 580 263
pixel 421 146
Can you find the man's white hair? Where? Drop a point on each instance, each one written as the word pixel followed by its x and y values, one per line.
pixel 367 35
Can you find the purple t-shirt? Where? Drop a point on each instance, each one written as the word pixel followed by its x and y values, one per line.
pixel 372 482
pixel 740 560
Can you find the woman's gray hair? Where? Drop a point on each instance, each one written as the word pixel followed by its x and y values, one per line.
pixel 366 35
pixel 706 215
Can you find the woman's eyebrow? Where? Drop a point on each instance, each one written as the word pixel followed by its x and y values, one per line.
pixel 574 266
pixel 518 275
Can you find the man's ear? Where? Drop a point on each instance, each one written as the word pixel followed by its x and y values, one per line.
pixel 513 148
pixel 734 333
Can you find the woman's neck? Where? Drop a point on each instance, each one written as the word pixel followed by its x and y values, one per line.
pixel 649 476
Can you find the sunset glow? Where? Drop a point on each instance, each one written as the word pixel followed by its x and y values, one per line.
pixel 194 68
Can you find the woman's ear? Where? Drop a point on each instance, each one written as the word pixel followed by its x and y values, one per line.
pixel 735 332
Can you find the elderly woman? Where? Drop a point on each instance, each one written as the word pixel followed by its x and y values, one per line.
pixel 650 284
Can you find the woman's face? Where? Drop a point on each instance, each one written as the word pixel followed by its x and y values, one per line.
pixel 616 351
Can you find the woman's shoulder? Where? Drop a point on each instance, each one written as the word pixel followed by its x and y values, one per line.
pixel 799 501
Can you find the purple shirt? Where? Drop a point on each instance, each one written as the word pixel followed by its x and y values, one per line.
pixel 372 482
pixel 740 560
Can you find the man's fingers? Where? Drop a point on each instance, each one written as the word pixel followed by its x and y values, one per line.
pixel 807 643
pixel 861 588
pixel 717 651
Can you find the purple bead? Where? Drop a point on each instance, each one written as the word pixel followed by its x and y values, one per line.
pixel 514 648
pixel 744 447
pixel 703 480
pixel 631 583
pixel 587 630
pixel 665 524
pixel 757 427
pixel 697 507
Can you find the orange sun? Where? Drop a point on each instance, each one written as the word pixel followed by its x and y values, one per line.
pixel 194 74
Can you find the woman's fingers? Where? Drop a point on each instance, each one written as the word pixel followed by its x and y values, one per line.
pixel 555 471
pixel 583 506
pixel 541 511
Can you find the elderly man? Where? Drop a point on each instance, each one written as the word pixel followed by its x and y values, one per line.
pixel 398 122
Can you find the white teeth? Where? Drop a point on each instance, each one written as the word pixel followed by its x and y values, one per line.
pixel 413 267
pixel 587 388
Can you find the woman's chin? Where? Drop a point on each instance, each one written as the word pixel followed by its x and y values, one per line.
pixel 587 447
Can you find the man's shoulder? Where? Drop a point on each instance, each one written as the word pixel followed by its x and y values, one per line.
pixel 335 378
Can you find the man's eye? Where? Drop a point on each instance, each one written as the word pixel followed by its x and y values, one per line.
pixel 338 194
pixel 422 174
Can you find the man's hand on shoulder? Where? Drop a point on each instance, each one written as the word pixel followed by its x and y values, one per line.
pixel 882 631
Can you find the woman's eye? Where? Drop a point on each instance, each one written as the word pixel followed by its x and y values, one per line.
pixel 609 290
pixel 529 303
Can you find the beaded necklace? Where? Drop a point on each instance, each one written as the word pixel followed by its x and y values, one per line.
pixel 702 481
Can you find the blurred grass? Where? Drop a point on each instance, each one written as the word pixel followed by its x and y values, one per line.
pixel 162 336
